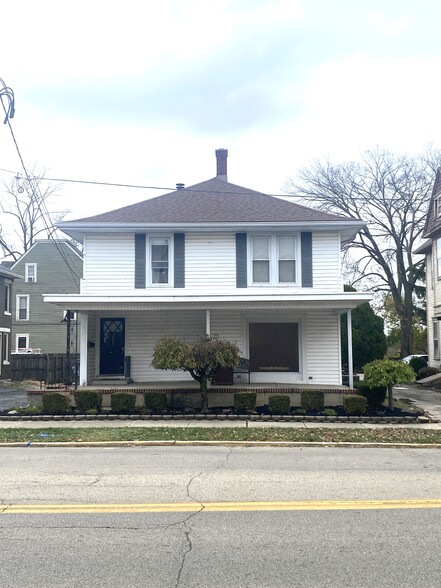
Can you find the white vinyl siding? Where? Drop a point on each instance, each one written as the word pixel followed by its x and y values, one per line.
pixel 323 348
pixel 326 262
pixel 210 260
pixel 109 264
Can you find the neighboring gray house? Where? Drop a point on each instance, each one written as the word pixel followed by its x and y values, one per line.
pixel 6 283
pixel 213 258
pixel 49 266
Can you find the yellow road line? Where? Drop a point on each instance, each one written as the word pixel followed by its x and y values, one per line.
pixel 219 506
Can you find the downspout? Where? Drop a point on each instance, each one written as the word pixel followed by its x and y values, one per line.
pixel 208 322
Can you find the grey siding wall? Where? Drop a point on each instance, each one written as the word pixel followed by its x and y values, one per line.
pixel 59 270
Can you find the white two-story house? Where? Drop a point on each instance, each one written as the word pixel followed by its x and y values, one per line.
pixel 213 258
pixel 432 249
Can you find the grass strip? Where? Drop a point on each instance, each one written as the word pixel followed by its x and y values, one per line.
pixel 383 435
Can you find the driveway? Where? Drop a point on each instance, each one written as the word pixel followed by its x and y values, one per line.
pixel 12 396
pixel 426 398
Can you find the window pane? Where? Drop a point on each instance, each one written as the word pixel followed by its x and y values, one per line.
pixel 159 253
pixel 22 307
pixel 261 271
pixel 261 248
pixel 21 343
pixel 286 248
pixel 287 271
pixel 274 347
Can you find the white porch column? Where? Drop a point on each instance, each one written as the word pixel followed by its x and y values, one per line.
pixel 350 360
pixel 83 318
pixel 208 322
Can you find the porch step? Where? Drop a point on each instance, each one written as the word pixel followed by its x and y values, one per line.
pixel 110 381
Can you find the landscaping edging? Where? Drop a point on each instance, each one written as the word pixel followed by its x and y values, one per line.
pixel 219 417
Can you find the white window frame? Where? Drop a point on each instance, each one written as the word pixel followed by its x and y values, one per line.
pixel 28 278
pixel 150 240
pixel 19 336
pixel 17 314
pixel 5 350
pixel 435 338
pixel 8 291
pixel 273 241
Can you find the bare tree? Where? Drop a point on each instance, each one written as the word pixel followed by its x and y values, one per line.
pixel 24 208
pixel 392 193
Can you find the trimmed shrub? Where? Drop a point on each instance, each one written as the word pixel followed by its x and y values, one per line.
pixel 87 399
pixel 427 371
pixel 155 401
pixel 375 396
pixel 123 402
pixel 416 363
pixel 245 401
pixel 354 404
pixel 56 403
pixel 312 399
pixel 330 412
pixel 279 404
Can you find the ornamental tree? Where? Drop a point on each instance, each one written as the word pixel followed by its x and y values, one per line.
pixel 388 372
pixel 201 359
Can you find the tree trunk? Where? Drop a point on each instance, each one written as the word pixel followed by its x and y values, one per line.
pixel 204 393
pixel 390 396
pixel 406 335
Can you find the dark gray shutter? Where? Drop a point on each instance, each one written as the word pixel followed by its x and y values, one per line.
pixel 179 260
pixel 241 260
pixel 140 260
pixel 306 242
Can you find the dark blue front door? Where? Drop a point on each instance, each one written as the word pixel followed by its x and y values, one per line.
pixel 112 343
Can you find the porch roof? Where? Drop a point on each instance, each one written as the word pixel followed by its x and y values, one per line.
pixel 186 300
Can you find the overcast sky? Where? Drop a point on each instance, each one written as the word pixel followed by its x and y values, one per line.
pixel 143 92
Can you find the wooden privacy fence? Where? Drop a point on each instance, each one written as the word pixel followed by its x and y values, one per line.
pixel 51 368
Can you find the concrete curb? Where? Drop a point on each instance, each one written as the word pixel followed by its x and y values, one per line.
pixel 349 444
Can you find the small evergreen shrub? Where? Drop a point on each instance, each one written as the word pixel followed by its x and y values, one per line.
pixel 427 371
pixel 354 404
pixel 375 396
pixel 245 401
pixel 155 401
pixel 330 412
pixel 279 404
pixel 416 363
pixel 312 399
pixel 91 411
pixel 299 411
pixel 56 403
pixel 123 402
pixel 87 399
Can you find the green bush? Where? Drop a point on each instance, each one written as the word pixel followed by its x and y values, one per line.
pixel 91 411
pixel 155 401
pixel 123 402
pixel 87 399
pixel 56 403
pixel 427 371
pixel 312 399
pixel 330 412
pixel 245 401
pixel 354 404
pixel 375 396
pixel 416 363
pixel 279 404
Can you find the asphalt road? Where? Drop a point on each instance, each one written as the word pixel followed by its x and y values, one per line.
pixel 353 546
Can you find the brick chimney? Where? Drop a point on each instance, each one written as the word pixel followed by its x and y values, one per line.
pixel 221 160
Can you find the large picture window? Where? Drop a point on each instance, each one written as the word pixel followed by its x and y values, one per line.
pixel 274 347
pixel 273 259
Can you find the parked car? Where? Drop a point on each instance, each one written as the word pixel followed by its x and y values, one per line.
pixel 408 358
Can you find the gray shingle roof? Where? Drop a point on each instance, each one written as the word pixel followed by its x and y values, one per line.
pixel 212 201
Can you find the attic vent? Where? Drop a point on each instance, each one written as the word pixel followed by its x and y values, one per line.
pixel 180 186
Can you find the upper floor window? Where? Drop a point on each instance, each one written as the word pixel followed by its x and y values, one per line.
pixel 273 259
pixel 438 258
pixel 159 260
pixel 31 272
pixel 7 307
pixel 22 307
pixel 438 206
